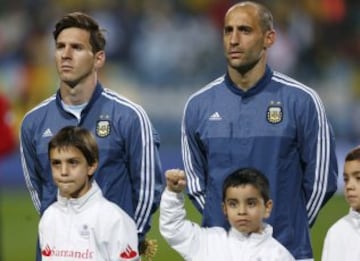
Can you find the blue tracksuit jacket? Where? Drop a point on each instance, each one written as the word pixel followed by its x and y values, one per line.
pixel 129 171
pixel 278 126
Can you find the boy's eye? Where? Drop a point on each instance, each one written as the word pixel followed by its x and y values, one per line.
pixel 73 162
pixel 232 204
pixel 77 47
pixel 55 163
pixel 252 203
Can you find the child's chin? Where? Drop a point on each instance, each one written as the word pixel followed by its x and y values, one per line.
pixel 243 230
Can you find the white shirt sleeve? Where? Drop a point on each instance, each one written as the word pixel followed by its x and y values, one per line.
pixel 181 234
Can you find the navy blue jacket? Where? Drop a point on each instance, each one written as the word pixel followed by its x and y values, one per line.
pixel 278 126
pixel 129 171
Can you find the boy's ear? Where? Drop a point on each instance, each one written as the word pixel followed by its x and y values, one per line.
pixel 224 209
pixel 92 169
pixel 268 208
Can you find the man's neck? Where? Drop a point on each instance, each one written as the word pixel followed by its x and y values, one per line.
pixel 247 80
pixel 79 94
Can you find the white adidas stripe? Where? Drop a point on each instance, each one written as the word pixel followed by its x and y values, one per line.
pixel 323 148
pixel 193 180
pixel 147 186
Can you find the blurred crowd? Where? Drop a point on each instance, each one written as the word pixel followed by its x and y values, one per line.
pixel 160 50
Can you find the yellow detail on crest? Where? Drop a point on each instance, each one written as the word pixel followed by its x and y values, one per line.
pixel 274 114
pixel 103 128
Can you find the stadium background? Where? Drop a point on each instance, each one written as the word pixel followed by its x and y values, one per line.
pixel 158 53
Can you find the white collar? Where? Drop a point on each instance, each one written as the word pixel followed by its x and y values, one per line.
pixel 253 238
pixel 77 203
pixel 355 216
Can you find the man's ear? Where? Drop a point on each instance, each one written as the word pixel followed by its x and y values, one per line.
pixel 270 37
pixel 100 58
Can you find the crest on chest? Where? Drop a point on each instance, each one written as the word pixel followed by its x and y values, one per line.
pixel 103 128
pixel 274 114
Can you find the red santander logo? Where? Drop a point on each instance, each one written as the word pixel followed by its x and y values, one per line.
pixel 128 253
pixel 46 251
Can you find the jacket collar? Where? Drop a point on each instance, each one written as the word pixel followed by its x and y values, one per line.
pixel 355 217
pixel 258 87
pixel 252 238
pixel 77 204
pixel 96 94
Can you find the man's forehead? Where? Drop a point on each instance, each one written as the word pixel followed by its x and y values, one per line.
pixel 74 33
pixel 241 13
pixel 242 7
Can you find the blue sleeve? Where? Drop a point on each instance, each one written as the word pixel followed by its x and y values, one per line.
pixel 194 159
pixel 317 147
pixel 29 164
pixel 145 170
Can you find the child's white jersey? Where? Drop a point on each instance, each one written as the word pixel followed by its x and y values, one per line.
pixel 342 241
pixel 87 228
pixel 196 243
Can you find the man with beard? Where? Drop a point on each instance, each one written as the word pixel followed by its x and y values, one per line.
pixel 256 117
pixel 129 172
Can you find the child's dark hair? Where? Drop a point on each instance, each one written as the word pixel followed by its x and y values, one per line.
pixel 80 138
pixel 353 154
pixel 248 176
pixel 86 22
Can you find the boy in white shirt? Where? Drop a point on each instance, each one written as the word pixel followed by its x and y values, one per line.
pixel 342 241
pixel 246 203
pixel 82 224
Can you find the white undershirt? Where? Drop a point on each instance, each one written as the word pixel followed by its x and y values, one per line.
pixel 74 109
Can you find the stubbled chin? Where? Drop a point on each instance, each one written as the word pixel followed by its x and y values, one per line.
pixel 71 83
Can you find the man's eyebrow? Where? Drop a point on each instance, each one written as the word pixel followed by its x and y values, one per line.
pixel 239 27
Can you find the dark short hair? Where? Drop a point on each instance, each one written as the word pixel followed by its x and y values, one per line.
pixel 80 138
pixel 353 154
pixel 86 22
pixel 248 176
pixel 265 17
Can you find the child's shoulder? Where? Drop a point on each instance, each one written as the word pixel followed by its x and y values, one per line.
pixel 51 209
pixel 341 226
pixel 113 211
pixel 49 214
pixel 279 250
